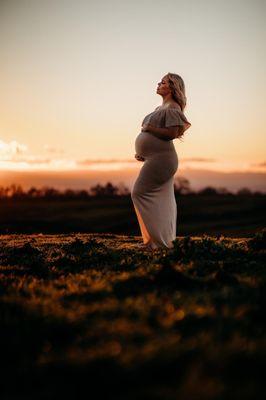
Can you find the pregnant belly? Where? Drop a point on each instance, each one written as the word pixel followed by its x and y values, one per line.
pixel 148 145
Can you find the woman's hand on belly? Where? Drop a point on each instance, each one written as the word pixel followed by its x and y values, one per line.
pixel 139 158
pixel 160 133
pixel 147 127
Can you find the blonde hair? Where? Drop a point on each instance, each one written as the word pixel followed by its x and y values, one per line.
pixel 178 90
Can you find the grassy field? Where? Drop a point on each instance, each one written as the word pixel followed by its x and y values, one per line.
pixel 96 313
pixel 230 215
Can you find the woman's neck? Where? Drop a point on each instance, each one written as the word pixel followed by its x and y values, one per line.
pixel 168 104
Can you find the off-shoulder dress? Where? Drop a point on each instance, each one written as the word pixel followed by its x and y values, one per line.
pixel 153 191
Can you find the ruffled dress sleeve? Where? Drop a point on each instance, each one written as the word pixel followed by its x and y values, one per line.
pixel 174 117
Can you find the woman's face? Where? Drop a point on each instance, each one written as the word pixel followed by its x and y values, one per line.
pixel 163 86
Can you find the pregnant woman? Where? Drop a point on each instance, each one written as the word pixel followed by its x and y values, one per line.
pixel 153 191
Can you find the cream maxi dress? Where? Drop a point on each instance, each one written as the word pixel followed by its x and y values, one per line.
pixel 153 191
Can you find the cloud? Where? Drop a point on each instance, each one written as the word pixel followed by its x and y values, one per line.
pixel 10 150
pixel 260 164
pixel 130 160
pixel 13 157
pixel 31 163
pixel 34 160
pixel 104 161
pixel 199 159
pixel 52 149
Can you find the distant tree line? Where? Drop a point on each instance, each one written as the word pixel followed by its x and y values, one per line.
pixel 181 187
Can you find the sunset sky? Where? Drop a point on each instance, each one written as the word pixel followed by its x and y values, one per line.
pixel 78 77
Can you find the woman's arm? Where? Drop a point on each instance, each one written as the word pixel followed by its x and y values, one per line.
pixel 161 133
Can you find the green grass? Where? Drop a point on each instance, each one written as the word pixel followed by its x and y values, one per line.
pixel 96 313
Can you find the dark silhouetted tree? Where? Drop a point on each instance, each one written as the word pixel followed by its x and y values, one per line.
pixel 16 191
pixel 33 192
pixel 69 194
pixel 209 190
pixel 244 191
pixel 108 190
pixel 97 190
pixel 4 191
pixel 82 194
pixel 50 192
pixel 182 185
pixel 223 190
pixel 122 189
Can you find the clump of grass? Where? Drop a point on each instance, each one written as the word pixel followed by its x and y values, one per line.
pixel 79 246
pixel 206 248
pixel 27 256
pixel 258 242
